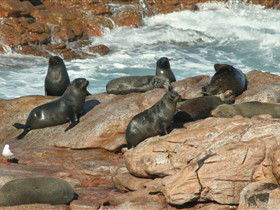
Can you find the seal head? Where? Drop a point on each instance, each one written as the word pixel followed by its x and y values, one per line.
pixel 226 78
pixel 163 69
pixel 57 79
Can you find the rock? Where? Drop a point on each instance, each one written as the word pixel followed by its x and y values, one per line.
pixel 32 50
pixel 260 196
pixel 13 8
pixel 128 17
pixel 100 49
pixel 263 87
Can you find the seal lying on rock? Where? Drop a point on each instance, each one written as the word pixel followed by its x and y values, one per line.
pixel 130 84
pixel 57 79
pixel 201 107
pixel 248 109
pixel 64 109
pixel 163 69
pixel 153 121
pixel 226 78
pixel 48 190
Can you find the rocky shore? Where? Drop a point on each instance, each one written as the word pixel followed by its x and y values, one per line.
pixel 63 27
pixel 215 163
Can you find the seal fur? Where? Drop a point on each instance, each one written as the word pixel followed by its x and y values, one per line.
pixel 57 79
pixel 247 109
pixel 64 109
pixel 163 69
pixel 48 190
pixel 153 121
pixel 201 107
pixel 130 84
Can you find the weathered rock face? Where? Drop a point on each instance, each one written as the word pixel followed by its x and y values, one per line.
pixel 211 159
pixel 32 26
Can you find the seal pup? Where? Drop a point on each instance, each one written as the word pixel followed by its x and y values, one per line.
pixel 48 190
pixel 64 109
pixel 163 69
pixel 57 79
pixel 130 84
pixel 200 108
pixel 226 78
pixel 247 109
pixel 153 121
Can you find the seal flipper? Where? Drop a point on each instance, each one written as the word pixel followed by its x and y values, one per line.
pixel 25 128
pixel 19 126
pixel 74 120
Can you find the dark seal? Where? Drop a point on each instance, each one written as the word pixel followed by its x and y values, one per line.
pixel 64 109
pixel 247 109
pixel 131 84
pixel 57 79
pixel 200 108
pixel 47 190
pixel 153 121
pixel 226 78
pixel 163 69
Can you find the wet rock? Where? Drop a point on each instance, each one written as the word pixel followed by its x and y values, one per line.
pixel 32 50
pixel 100 49
pixel 263 87
pixel 13 8
pixel 128 17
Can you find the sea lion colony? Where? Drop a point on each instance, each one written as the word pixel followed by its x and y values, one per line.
pixel 217 100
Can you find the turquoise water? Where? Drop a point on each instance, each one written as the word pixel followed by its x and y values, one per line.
pixel 245 36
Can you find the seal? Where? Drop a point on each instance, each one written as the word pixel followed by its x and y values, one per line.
pixel 57 79
pixel 163 69
pixel 200 108
pixel 153 121
pixel 247 109
pixel 226 78
pixel 130 84
pixel 59 111
pixel 47 190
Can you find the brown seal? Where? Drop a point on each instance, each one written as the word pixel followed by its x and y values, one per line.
pixel 48 190
pixel 163 69
pixel 130 84
pixel 247 109
pixel 57 79
pixel 226 78
pixel 200 108
pixel 64 109
pixel 153 121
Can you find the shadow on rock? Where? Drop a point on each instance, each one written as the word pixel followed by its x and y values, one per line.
pixel 89 105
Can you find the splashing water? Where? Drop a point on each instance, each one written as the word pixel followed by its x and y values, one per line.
pixel 245 36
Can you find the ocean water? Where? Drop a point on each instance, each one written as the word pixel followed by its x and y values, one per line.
pixel 245 36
